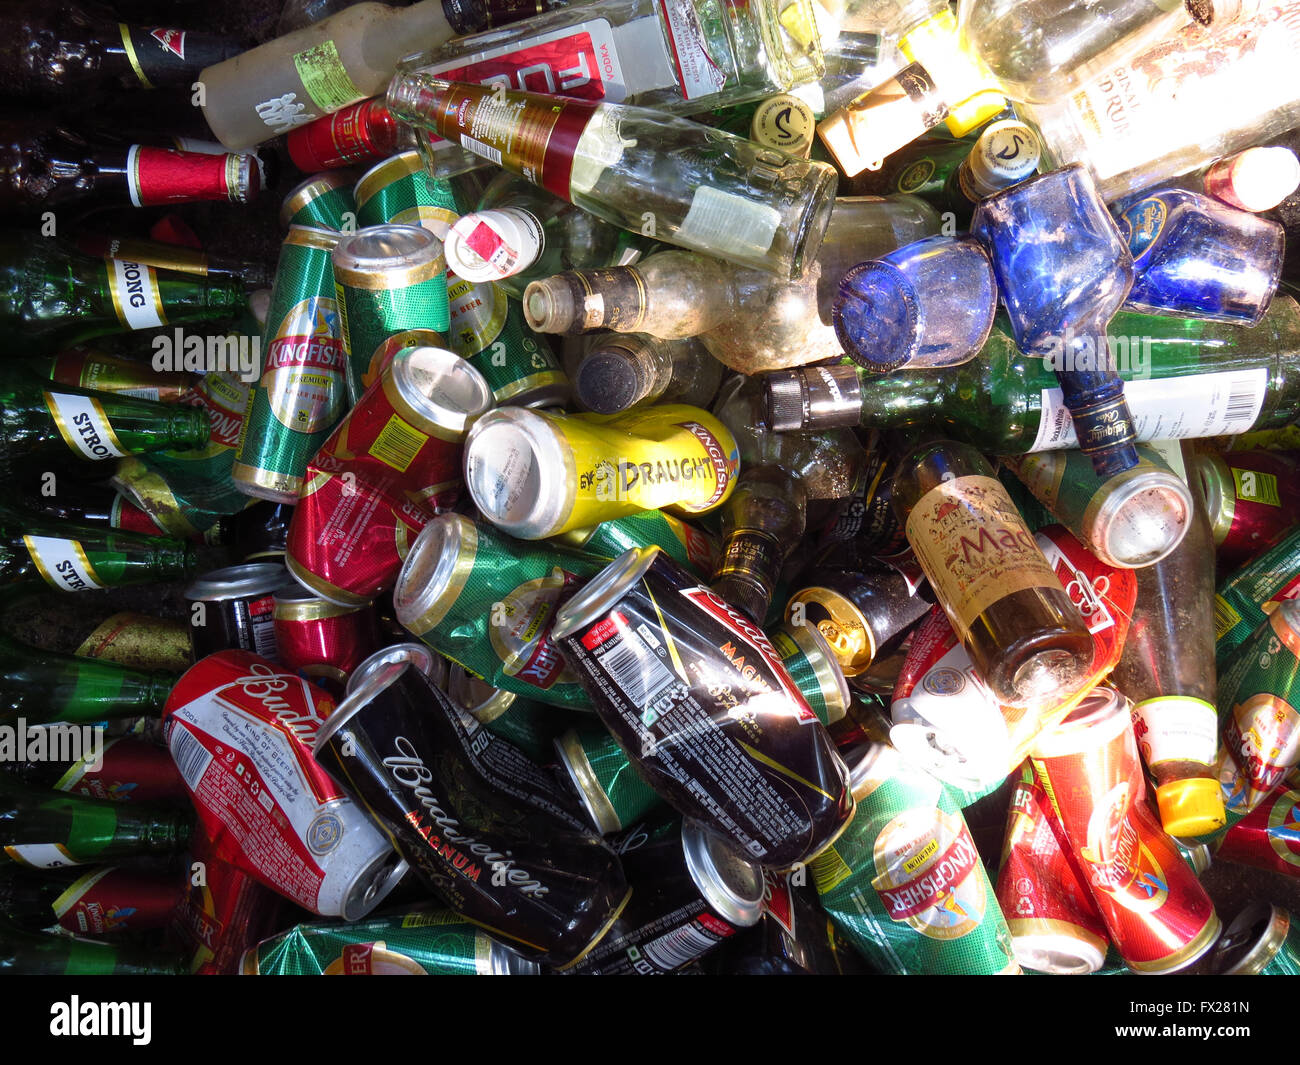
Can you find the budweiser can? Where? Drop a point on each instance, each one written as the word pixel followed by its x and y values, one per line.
pixel 1155 910
pixel 422 943
pixel 1263 940
pixel 357 134
pixel 1259 723
pixel 303 388
pixel 696 694
pixel 613 791
pixel 905 883
pixel 235 607
pixel 1268 837
pixel 320 639
pixel 324 201
pixel 399 190
pixel 484 828
pixel 488 603
pixel 1055 926
pixel 240 729
pixel 387 279
pixel 692 547
pixel 378 479
pixel 431 665
pixel 1243 600
pixel 1251 499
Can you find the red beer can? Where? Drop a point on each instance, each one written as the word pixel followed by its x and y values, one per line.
pixel 1268 837
pixel 320 639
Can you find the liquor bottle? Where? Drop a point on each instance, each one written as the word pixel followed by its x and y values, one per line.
pixel 666 177
pixel 40 954
pixel 75 53
pixel 679 58
pixel 358 134
pixel 50 829
pixel 1163 112
pixel 618 371
pixel 1007 606
pixel 1184 377
pixel 519 233
pixel 762 524
pixel 99 900
pixel 328 65
pixel 78 558
pixel 53 296
pixel 40 419
pixel 44 166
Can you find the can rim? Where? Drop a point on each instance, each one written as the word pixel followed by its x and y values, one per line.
pixel 311 189
pixel 441 387
pixel 572 755
pixel 1255 954
pixel 861 660
pixel 604 589
pixel 732 885
pixel 460 688
pixel 1099 717
pixel 550 467
pixel 1121 491
pixel 388 256
pixel 421 657
pixel 236 582
pixel 373 884
pixel 825 666
pixel 371 182
pixel 1049 948
pixel 425 590
pixel 378 680
pixel 1218 491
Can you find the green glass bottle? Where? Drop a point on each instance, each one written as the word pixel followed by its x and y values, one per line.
pixel 54 296
pixel 1183 378
pixel 71 557
pixel 47 829
pixel 40 418
pixel 44 954
pixel 95 900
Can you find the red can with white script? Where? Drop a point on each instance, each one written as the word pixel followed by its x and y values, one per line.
pixel 241 730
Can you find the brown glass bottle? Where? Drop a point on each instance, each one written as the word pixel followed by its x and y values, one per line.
pixel 1007 606
pixel 762 523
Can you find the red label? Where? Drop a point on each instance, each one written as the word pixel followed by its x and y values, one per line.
pixel 132 770
pixel 324 352
pixel 942 875
pixel 778 902
pixel 114 900
pixel 569 66
pixel 715 925
pixel 932 640
pixel 170 41
pixel 603 631
pixel 356 959
pixel 358 133
pixel 130 518
pixel 723 468
pixel 485 242
pixel 162 175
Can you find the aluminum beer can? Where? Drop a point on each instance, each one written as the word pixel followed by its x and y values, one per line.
pixel 416 654
pixel 695 693
pixel 692 547
pixel 488 603
pixel 320 639
pixel 1243 600
pixel 1268 837
pixel 905 883
pixel 813 667
pixel 303 389
pixel 234 607
pixel 529 725
pixel 241 731
pixel 1259 722
pixel 387 279
pixel 613 791
pixel 400 191
pixel 423 943
pixel 1262 940
pixel 1250 497
pixel 325 201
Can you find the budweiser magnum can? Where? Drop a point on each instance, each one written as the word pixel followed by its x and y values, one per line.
pixel 905 883
pixel 426 942
pixel 613 791
pixel 240 729
pixel 1268 837
pixel 387 279
pixel 399 190
pixel 537 474
pixel 1155 910
pixel 1250 497
pixel 234 607
pixel 488 602
pixel 303 388
pixel 483 827
pixel 431 665
pixel 1258 718
pixel 1055 926
pixel 378 479
pixel 325 201
pixel 1243 600
pixel 690 893
pixel 320 639
pixel 696 694
pixel 1263 940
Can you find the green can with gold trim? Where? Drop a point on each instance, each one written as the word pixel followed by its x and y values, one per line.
pixel 530 726
pixel 813 667
pixel 399 190
pixel 904 881
pixel 614 794
pixel 429 943
pixel 302 393
pixel 388 279
pixel 325 201
pixel 692 547
pixel 1243 600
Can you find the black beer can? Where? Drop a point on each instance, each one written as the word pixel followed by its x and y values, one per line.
pixel 691 892
pixel 698 698
pixel 234 608
pixel 483 827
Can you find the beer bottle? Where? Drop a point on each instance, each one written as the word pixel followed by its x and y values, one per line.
pixel 84 367
pixel 71 52
pixel 50 829
pixel 160 255
pixel 617 372
pixel 123 769
pixel 43 165
pixel 71 557
pixel 1005 602
pixel 100 900
pixel 42 954
pixel 40 419
pixel 53 296
pixel 762 524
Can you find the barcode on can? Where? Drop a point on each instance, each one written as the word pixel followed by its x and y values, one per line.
pixel 635 669
pixel 191 757
pixel 679 947
pixel 397 444
pixel 479 148
pixel 1225 617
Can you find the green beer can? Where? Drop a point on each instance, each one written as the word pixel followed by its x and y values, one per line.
pixel 399 190
pixel 1243 600
pixel 692 547
pixel 433 943
pixel 905 883
pixel 302 392
pixel 1263 940
pixel 530 726
pixel 388 280
pixel 614 795
pixel 325 201
pixel 488 602
pixel 813 667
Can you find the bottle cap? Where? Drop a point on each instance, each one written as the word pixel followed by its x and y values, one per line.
pixel 1191 807
pixel 785 123
pixel 612 378
pixel 492 245
pixel 1005 154
pixel 1257 179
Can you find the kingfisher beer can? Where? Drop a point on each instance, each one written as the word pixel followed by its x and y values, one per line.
pixel 529 725
pixel 813 667
pixel 1268 837
pixel 613 791
pixel 1243 600
pixel 399 190
pixel 695 693
pixel 241 731
pixel 320 639
pixel 692 547
pixel 423 943
pixel 303 389
pixel 1250 496
pixel 387 279
pixel 325 201
pixel 1055 926
pixel 234 607
pixel 537 474
pixel 905 883
pixel 1262 940
pixel 1259 691
pixel 484 828
pixel 488 603
pixel 1155 910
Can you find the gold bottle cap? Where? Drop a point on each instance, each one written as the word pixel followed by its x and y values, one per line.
pixel 786 123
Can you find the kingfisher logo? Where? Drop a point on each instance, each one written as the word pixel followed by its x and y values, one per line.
pixel 308 336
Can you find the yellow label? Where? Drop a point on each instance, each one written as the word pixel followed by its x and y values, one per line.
pixel 829 870
pixel 1042 473
pixel 974 547
pixel 397 444
pixel 1225 617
